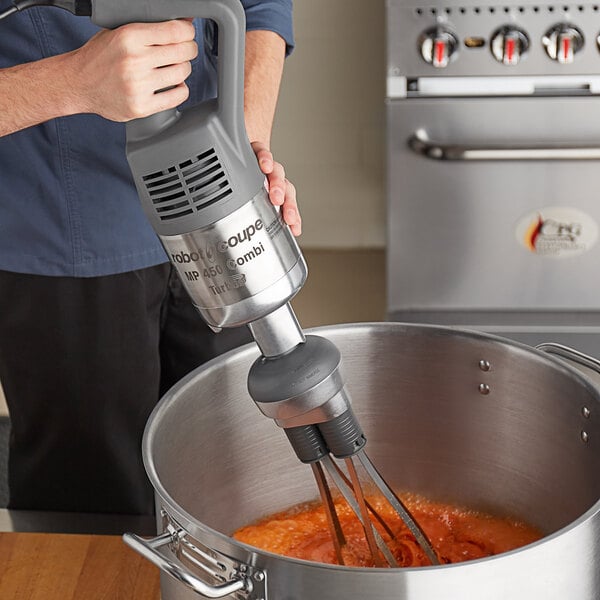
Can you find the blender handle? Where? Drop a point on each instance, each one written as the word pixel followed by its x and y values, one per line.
pixel 148 549
pixel 230 18
pixel 571 354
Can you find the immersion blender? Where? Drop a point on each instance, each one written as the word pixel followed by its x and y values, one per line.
pixel 203 192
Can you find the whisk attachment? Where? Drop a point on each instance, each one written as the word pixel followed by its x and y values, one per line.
pixel 313 450
pixel 303 391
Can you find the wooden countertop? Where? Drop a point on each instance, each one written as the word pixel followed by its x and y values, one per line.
pixel 44 566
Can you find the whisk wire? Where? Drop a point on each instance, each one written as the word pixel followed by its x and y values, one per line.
pixel 333 522
pixel 348 495
pixel 366 522
pixel 400 508
pixel 371 508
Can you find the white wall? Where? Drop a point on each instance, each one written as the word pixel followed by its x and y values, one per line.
pixel 330 122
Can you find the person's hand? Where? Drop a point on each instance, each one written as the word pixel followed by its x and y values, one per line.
pixel 117 73
pixel 281 191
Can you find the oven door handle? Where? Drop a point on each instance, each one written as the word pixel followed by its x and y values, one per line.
pixel 420 143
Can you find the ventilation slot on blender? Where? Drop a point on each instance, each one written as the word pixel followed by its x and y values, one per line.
pixel 191 185
pixel 168 194
pixel 205 179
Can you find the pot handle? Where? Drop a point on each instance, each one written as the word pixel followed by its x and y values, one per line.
pixel 571 354
pixel 148 548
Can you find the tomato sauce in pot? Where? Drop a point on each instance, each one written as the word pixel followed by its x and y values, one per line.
pixel 457 534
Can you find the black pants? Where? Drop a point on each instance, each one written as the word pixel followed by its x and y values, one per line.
pixel 82 363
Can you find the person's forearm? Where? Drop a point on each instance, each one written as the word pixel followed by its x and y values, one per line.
pixel 115 75
pixel 34 92
pixel 265 55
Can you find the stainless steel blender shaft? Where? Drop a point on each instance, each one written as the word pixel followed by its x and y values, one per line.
pixel 278 332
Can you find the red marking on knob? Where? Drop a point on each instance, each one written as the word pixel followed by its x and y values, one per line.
pixel 440 51
pixel 509 50
pixel 566 47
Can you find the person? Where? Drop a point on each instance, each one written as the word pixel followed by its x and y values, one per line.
pixel 94 323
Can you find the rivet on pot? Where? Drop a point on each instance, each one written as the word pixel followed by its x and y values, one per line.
pixel 584 436
pixel 484 389
pixel 585 411
pixel 259 576
pixel 484 365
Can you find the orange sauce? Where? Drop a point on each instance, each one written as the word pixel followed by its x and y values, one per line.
pixel 457 534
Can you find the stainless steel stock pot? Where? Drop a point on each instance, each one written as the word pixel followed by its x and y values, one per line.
pixel 459 416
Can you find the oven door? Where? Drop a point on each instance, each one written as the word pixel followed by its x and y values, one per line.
pixel 493 214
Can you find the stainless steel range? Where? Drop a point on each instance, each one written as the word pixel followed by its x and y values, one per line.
pixel 493 120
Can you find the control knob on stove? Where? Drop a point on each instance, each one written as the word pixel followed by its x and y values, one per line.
pixel 509 44
pixel 438 46
pixel 562 42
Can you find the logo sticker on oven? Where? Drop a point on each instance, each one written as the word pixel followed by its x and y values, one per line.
pixel 557 232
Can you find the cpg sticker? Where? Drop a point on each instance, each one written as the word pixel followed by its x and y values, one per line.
pixel 557 232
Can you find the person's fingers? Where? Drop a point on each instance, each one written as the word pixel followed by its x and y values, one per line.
pixel 291 214
pixel 277 184
pixel 264 157
pixel 281 191
pixel 170 76
pixel 166 99
pixel 159 34
pixel 172 54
